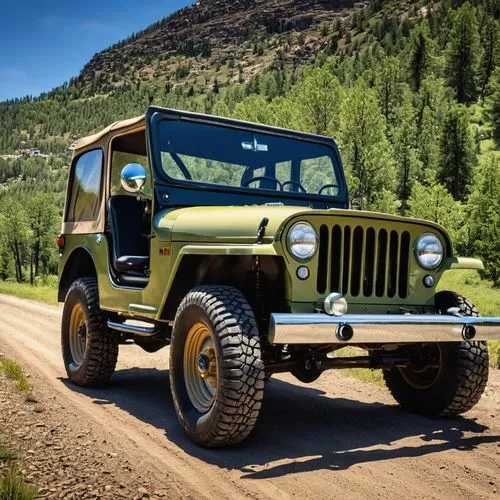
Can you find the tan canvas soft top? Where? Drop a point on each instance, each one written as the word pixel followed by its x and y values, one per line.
pixel 99 140
pixel 84 142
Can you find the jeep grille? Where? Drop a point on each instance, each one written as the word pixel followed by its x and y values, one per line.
pixel 360 261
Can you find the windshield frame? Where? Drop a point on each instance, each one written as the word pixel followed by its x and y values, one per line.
pixel 156 115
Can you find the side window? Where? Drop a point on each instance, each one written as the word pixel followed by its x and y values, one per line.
pixel 85 187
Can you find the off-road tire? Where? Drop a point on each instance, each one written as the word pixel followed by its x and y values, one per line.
pixel 463 376
pixel 240 370
pixel 101 352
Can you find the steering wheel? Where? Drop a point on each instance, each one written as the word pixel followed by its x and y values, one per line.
pixel 262 178
pixel 326 186
pixel 294 183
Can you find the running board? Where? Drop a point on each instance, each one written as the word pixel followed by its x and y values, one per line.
pixel 140 331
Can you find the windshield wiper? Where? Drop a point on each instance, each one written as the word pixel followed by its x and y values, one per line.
pixel 180 164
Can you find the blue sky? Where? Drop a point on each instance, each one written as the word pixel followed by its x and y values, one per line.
pixel 43 43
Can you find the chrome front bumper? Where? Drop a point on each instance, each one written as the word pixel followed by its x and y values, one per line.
pixel 379 329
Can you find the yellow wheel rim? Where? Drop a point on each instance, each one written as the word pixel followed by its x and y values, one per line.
pixel 200 367
pixel 77 335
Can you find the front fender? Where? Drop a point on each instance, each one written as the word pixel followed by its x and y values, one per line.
pixel 194 252
pixel 463 263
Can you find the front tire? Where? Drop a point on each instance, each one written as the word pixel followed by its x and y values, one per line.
pixel 454 382
pixel 216 369
pixel 90 350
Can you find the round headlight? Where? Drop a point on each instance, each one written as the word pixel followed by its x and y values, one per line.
pixel 302 241
pixel 429 251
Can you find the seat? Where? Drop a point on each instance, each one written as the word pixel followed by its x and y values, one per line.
pixel 127 263
pixel 129 228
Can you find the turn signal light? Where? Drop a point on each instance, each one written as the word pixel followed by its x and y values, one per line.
pixel 335 304
pixel 60 241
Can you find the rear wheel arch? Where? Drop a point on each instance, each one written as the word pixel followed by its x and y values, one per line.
pixel 80 264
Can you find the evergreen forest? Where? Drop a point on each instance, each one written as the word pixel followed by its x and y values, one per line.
pixel 409 90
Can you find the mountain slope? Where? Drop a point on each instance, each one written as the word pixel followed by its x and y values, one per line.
pixel 214 25
pixel 212 45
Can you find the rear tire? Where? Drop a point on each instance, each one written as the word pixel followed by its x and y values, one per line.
pixel 89 349
pixel 216 369
pixel 456 385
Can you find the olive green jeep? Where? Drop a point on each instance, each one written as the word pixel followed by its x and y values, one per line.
pixel 233 243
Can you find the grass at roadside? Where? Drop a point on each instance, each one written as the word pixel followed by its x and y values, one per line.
pixel 12 484
pixel 469 284
pixel 14 371
pixel 41 293
pixel 13 487
pixel 363 374
pixel 6 454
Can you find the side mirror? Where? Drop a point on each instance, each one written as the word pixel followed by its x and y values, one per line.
pixel 357 204
pixel 133 177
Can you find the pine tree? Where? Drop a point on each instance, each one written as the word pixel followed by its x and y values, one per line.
pixel 366 151
pixel 435 96
pixel 428 140
pixel 221 109
pixel 43 220
pixel 420 57
pixel 491 42
pixel 389 86
pixel 15 237
pixel 436 204
pixel 253 109
pixel 406 154
pixel 319 97
pixel 493 106
pixel 484 224
pixel 458 152
pixel 463 54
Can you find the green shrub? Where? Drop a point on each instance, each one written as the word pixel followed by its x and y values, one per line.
pixel 15 372
pixel 13 487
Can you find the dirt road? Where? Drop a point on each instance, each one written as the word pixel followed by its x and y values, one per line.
pixel 336 437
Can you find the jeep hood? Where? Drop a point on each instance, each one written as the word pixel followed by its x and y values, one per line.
pixel 221 224
pixel 239 224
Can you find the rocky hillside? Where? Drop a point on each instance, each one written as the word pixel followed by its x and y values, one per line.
pixel 213 30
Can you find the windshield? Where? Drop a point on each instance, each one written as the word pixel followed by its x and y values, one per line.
pixel 212 154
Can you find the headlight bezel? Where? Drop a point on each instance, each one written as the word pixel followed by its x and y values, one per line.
pixel 289 244
pixel 417 249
